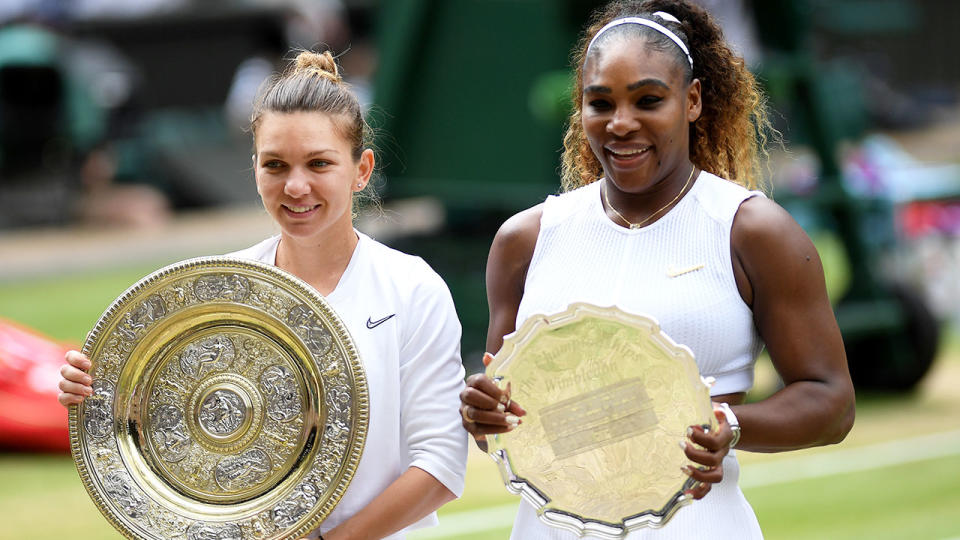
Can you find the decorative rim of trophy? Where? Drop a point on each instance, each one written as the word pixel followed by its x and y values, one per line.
pixel 618 467
pixel 229 399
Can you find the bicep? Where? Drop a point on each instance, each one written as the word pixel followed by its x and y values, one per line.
pixel 789 300
pixel 507 264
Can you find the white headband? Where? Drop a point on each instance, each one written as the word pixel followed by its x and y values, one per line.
pixel 648 23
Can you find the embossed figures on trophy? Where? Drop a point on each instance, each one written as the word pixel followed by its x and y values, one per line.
pixel 98 417
pixel 150 310
pixel 209 354
pixel 283 398
pixel 305 322
pixel 119 487
pixel 293 508
pixel 222 287
pixel 214 531
pixel 169 433
pixel 210 418
pixel 222 412
pixel 247 469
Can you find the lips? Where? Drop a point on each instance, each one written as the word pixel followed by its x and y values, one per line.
pixel 299 210
pixel 627 155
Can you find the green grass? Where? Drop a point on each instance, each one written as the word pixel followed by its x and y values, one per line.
pixel 917 500
pixel 66 308
pixel 42 496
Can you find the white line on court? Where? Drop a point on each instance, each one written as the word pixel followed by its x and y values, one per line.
pixel 848 460
pixel 789 469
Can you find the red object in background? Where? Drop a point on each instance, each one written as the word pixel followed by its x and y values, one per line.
pixel 31 418
pixel 921 218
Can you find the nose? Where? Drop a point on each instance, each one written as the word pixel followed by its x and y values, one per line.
pixel 622 122
pixel 296 185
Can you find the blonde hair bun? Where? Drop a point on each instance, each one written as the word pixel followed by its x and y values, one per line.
pixel 321 64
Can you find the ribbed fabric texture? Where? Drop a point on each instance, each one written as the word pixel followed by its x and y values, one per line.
pixel 677 270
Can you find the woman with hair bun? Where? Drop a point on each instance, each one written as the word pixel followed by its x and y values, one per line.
pixel 660 216
pixel 311 160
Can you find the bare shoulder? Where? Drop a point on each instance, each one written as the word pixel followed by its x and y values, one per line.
pixel 507 265
pixel 760 215
pixel 773 257
pixel 517 237
pixel 762 229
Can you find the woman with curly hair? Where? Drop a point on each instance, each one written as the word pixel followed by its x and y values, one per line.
pixel 660 216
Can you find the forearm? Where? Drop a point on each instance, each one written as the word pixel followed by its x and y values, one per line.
pixel 409 498
pixel 801 415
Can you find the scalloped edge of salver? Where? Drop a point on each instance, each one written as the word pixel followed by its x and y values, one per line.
pixel 186 265
pixel 519 486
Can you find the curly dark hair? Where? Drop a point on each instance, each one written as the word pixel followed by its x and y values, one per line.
pixel 729 139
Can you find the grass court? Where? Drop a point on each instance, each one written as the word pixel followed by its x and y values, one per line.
pixel 895 477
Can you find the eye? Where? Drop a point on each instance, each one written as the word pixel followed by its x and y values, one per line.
pixel 272 164
pixel 599 105
pixel 319 163
pixel 648 101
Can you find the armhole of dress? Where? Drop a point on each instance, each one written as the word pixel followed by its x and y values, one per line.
pixel 536 244
pixel 733 274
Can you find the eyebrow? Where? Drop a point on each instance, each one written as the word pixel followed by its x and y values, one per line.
pixel 597 89
pixel 315 153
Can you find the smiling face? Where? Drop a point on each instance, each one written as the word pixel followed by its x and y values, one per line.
pixel 637 107
pixel 306 174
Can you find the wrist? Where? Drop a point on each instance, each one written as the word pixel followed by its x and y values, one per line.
pixel 732 421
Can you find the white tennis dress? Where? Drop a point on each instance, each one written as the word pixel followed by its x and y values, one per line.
pixel 677 270
pixel 401 317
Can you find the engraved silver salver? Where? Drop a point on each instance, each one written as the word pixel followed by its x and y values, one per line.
pixel 229 402
pixel 609 398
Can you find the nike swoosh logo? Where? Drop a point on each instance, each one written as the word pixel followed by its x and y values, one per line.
pixel 371 324
pixel 674 273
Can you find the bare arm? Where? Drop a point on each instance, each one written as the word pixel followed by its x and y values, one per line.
pixel 780 276
pixel 408 499
pixel 507 265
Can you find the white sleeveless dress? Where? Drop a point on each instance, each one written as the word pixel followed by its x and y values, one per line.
pixel 677 270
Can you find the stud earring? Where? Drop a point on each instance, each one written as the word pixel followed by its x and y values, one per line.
pixel 359 184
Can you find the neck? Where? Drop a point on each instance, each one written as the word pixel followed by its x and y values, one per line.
pixel 638 209
pixel 320 262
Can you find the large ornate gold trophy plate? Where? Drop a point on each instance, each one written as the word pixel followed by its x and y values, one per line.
pixel 609 398
pixel 229 403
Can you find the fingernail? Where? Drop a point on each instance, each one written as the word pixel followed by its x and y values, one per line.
pixel 689 431
pixel 513 420
pixel 686 470
pixel 501 407
pixel 683 445
pixel 88 391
